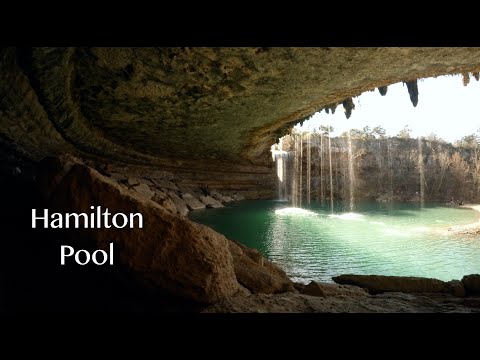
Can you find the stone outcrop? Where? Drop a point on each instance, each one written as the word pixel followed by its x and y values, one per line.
pixel 164 201
pixel 377 284
pixel 383 303
pixel 256 273
pixel 223 198
pixel 144 191
pixel 180 204
pixel 472 284
pixel 173 253
pixel 192 202
pixel 327 290
pixel 210 202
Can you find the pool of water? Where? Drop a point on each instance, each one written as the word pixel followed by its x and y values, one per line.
pixel 313 243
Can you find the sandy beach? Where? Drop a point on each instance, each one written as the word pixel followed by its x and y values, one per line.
pixel 469 229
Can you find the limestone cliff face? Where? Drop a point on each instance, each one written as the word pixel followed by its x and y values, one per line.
pixel 208 114
pixel 169 251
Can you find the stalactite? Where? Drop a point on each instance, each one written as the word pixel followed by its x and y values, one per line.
pixel 333 107
pixel 466 78
pixel 413 91
pixel 476 75
pixel 327 110
pixel 383 90
pixel 348 105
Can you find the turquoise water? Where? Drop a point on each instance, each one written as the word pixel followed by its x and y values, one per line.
pixel 383 239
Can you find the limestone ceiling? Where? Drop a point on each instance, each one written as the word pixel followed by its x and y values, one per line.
pixel 145 105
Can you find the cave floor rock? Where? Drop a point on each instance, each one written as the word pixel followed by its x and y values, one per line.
pixel 383 303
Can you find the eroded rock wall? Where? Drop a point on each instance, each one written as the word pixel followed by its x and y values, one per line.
pixel 170 252
pixel 207 114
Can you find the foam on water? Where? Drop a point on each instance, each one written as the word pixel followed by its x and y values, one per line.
pixel 348 216
pixel 292 211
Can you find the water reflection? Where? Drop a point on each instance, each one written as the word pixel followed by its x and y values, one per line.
pixel 313 244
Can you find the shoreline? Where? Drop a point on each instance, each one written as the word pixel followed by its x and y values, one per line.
pixel 468 229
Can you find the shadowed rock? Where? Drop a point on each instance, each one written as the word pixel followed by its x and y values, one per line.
pixel 163 200
pixel 377 284
pixel 192 202
pixel 210 202
pixel 256 273
pixel 383 303
pixel 471 283
pixel 180 205
pixel 413 91
pixel 348 105
pixel 170 251
pixel 327 290
pixel 163 184
pixel 144 190
pixel 383 90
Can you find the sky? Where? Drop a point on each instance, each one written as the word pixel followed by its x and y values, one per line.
pixel 445 107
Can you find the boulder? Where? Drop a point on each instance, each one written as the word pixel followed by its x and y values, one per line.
pixel 50 172
pixel 180 205
pixel 238 197
pixel 170 252
pixel 327 290
pixel 144 190
pixel 299 286
pixel 210 202
pixel 471 284
pixel 456 288
pixel 192 202
pixel 164 201
pixel 217 196
pixel 256 273
pixel 132 181
pixel 377 284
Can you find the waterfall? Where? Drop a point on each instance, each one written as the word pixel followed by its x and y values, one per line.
pixel 322 192
pixel 284 175
pixel 351 174
pixel 390 167
pixel 280 157
pixel 330 165
pixel 380 166
pixel 421 172
pixel 295 172
pixel 300 191
pixel 309 166
pixel 336 190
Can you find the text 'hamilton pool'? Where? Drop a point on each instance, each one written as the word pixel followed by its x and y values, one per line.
pixel 313 243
